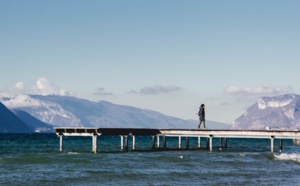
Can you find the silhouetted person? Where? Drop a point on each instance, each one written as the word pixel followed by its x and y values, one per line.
pixel 201 114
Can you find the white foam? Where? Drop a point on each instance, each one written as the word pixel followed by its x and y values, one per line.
pixel 72 153
pixel 286 156
pixel 242 154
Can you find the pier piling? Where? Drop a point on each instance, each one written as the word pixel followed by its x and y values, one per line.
pixel 207 143
pixel 126 143
pixel 210 143
pixel 272 144
pixel 179 142
pixel 94 139
pixel 133 142
pixel 165 142
pixel 122 143
pixel 225 143
pixel 153 142
pixel 221 143
pixel 61 142
pixel 187 142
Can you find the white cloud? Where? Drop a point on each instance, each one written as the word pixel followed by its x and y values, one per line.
pixel 257 91
pixel 19 86
pixel 19 96
pixel 157 89
pixel 43 87
pixel 101 92
pixel 5 95
pixel 20 101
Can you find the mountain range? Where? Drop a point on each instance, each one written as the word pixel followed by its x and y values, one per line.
pixel 275 113
pixel 10 122
pixel 42 113
pixel 37 113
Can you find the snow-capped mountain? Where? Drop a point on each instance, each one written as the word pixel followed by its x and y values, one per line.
pixel 67 111
pixel 33 123
pixel 278 112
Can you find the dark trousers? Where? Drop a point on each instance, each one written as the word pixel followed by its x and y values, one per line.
pixel 201 121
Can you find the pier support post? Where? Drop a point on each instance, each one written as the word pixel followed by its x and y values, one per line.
pixel 280 145
pixel 179 142
pixel 126 143
pixel 187 142
pixel 221 143
pixel 122 143
pixel 133 143
pixel 272 144
pixel 157 141
pixel 94 143
pixel 207 143
pixel 225 143
pixel 210 143
pixel 153 142
pixel 199 142
pixel 61 142
pixel 165 142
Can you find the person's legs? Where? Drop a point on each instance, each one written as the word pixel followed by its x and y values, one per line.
pixel 199 125
pixel 204 124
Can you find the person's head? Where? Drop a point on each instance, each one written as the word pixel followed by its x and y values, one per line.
pixel 202 105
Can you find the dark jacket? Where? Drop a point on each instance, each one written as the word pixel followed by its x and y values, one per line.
pixel 201 114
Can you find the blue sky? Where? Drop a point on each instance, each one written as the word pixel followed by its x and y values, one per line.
pixel 169 56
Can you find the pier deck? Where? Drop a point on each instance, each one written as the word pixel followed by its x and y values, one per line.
pixel 206 133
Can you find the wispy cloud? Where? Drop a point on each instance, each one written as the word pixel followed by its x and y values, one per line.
pixel 225 104
pixel 5 95
pixel 257 91
pixel 157 89
pixel 101 92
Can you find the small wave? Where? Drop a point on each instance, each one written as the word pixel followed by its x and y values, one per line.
pixel 286 156
pixel 242 154
pixel 72 153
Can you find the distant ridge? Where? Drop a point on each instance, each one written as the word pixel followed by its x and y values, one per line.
pixel 10 123
pixel 278 112
pixel 33 123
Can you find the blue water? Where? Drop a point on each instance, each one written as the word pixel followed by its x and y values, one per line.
pixel 34 159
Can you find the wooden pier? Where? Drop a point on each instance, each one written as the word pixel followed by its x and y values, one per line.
pixel 124 133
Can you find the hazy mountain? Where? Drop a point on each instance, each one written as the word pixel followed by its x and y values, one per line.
pixel 278 112
pixel 10 123
pixel 33 123
pixel 66 111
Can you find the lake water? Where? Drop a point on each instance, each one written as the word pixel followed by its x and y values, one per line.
pixel 34 159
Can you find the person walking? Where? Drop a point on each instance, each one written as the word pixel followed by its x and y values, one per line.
pixel 201 114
